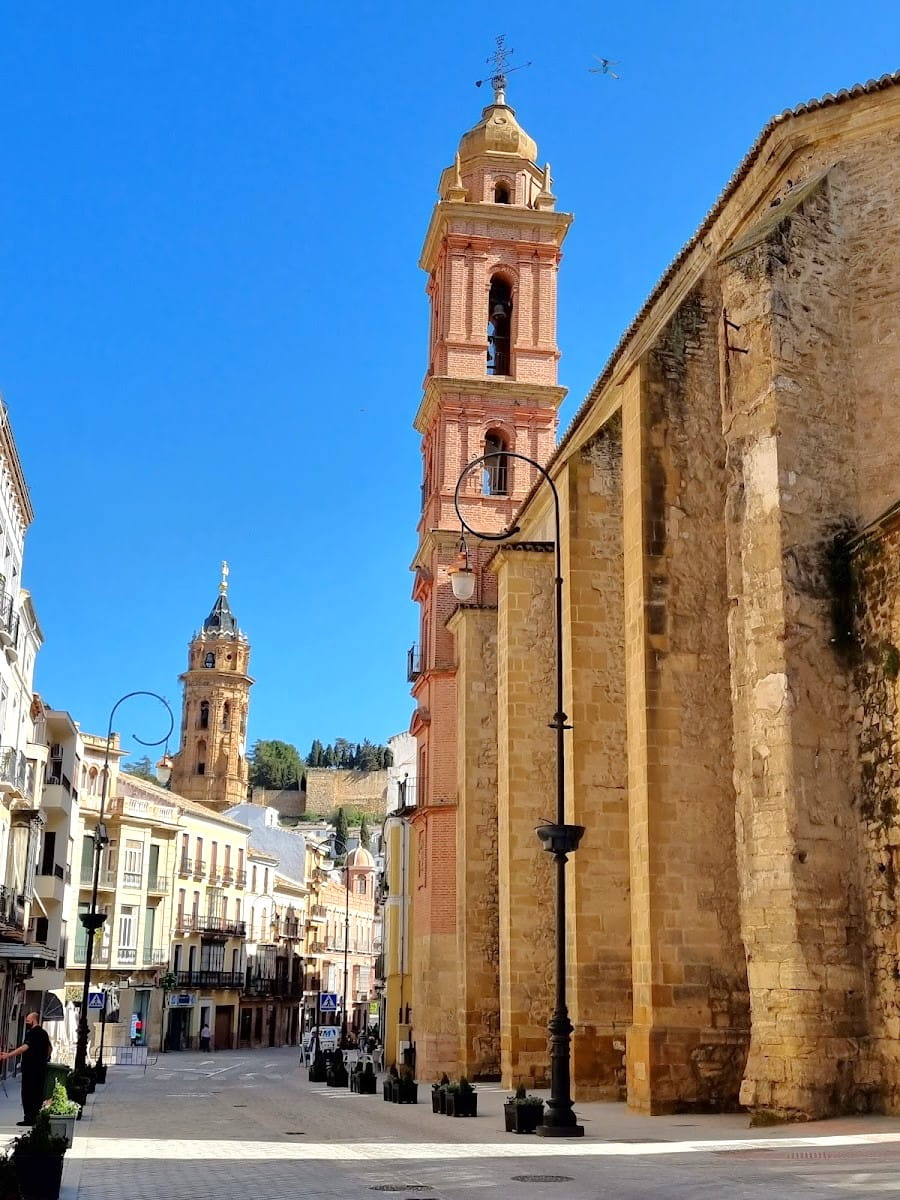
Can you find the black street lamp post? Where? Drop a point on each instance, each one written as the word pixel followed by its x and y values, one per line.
pixel 558 838
pixel 92 921
pixel 346 949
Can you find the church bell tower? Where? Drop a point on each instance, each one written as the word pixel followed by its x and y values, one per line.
pixel 491 254
pixel 211 764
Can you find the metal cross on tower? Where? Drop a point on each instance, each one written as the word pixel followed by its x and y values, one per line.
pixel 499 60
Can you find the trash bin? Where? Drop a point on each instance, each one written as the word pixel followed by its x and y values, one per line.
pixel 55 1071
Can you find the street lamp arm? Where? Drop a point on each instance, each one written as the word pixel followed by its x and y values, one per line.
pixel 128 696
pixel 91 920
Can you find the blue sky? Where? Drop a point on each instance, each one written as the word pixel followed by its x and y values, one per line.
pixel 212 324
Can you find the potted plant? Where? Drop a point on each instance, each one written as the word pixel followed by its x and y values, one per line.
pixel 62 1113
pixel 38 1158
pixel 9 1181
pixel 522 1112
pixel 366 1081
pixel 439 1094
pixel 77 1087
pixel 462 1100
pixel 318 1068
pixel 407 1089
pixel 336 1075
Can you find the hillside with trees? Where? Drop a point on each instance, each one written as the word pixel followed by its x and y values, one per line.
pixel 344 755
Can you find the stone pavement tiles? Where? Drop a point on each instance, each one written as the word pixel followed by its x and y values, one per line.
pixel 238 1125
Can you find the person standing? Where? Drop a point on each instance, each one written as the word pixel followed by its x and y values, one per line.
pixel 36 1051
pixel 205 1036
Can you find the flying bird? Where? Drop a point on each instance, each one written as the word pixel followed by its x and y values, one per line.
pixel 604 68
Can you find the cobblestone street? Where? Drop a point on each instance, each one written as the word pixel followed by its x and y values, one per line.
pixel 236 1125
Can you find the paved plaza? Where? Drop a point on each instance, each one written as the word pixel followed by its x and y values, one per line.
pixel 238 1125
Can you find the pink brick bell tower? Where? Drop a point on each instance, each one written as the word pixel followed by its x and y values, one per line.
pixel 492 253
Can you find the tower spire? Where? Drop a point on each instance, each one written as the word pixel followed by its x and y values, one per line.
pixel 223 586
pixel 499 60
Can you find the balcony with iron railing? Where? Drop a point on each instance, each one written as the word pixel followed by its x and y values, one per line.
pixel 158 957
pixel 106 879
pixel 222 979
pixel 317 948
pixel 413 663
pixel 240 879
pixel 318 912
pixel 12 910
pixel 227 877
pixel 213 923
pixel 199 868
pixel 214 878
pixel 127 955
pixel 186 867
pixel 158 884
pixel 100 955
pixel 16 774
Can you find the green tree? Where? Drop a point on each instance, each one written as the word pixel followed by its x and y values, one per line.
pixel 341 833
pixel 274 764
pixel 141 768
pixel 364 835
pixel 316 754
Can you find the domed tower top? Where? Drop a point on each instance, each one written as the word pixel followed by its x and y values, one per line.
pixel 221 619
pixel 496 162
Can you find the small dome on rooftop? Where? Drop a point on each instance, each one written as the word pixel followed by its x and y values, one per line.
pixel 360 857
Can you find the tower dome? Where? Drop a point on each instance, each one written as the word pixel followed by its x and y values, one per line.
pixel 360 857
pixel 498 132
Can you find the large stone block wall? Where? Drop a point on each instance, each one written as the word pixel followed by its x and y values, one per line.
pixel 687 1045
pixel 876 593
pixel 790 440
pixel 598 875
pixel 477 900
pixel 331 788
pixel 688 1042
pixel 526 777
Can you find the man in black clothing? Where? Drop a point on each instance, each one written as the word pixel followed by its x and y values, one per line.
pixel 36 1049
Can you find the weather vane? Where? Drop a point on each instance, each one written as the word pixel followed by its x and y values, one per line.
pixel 499 60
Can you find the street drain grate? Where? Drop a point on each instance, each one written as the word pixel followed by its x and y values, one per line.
pixel 239 1106
pixel 294 1133
pixel 542 1178
pixel 399 1187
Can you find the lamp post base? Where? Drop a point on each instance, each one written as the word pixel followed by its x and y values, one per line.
pixel 570 1131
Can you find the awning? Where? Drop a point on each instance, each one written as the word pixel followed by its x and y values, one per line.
pixel 31 953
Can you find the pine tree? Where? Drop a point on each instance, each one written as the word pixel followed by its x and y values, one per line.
pixel 364 836
pixel 341 833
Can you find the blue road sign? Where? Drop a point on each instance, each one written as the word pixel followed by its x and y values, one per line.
pixel 328 1002
pixel 95 1000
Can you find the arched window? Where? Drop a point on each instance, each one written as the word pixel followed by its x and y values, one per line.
pixel 498 330
pixel 495 480
pixel 201 757
pixel 501 192
pixel 204 715
pixel 210 660
pixel 361 886
pixel 226 716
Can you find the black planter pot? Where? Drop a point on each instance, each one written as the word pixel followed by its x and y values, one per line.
pixel 39 1175
pixel 436 1099
pixel 522 1118
pixel 100 1072
pixel 405 1092
pixel 462 1104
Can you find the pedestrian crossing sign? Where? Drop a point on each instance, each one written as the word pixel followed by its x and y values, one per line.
pixel 95 1000
pixel 328 1002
